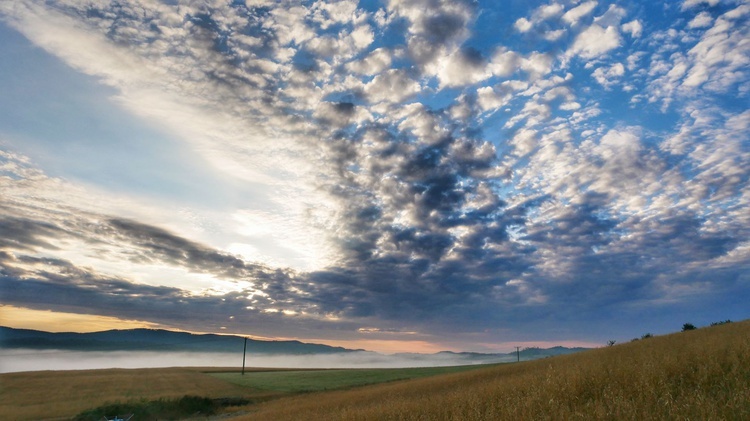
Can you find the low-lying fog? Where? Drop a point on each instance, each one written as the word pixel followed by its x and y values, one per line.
pixel 14 360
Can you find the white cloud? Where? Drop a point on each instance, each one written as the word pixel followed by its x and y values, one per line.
pixel 698 74
pixel 737 13
pixel 678 71
pixel 633 60
pixel 540 14
pixel 586 113
pixel 535 112
pixel 330 13
pixel 570 106
pixel 491 99
pixel 687 4
pixel 703 20
pixel 392 86
pixel 573 15
pixel 537 64
pixel 609 76
pixel 362 36
pixel 290 25
pixel 462 68
pixel 516 85
pixel 720 58
pixel 559 92
pixel 523 25
pixel 710 140
pixel 548 11
pixel 668 76
pixel 525 141
pixel 382 18
pixel 342 47
pixel 616 145
pixel 375 62
pixel 595 41
pixel 554 35
pixel 504 62
pixel 611 17
pixel 634 28
pixel 423 124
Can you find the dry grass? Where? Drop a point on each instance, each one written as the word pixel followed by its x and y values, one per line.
pixel 46 394
pixel 696 375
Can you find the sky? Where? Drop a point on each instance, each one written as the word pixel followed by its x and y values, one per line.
pixel 404 175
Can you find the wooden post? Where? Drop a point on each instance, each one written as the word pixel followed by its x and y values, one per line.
pixel 244 350
pixel 518 353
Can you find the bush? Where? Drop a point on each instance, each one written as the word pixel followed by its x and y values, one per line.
pixel 688 326
pixel 721 322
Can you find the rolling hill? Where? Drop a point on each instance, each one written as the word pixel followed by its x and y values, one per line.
pixel 153 340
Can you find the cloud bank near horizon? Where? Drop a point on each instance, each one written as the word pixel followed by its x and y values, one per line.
pixel 445 171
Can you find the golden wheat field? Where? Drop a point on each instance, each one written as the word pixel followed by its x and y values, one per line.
pixel 696 375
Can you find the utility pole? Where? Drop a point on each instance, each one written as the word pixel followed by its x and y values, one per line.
pixel 244 350
pixel 518 353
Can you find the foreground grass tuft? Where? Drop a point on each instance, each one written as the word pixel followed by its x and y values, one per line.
pixel 701 374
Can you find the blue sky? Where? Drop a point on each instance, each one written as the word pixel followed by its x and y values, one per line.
pixel 397 175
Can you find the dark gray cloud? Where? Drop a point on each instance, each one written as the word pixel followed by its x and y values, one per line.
pixel 158 245
pixel 431 34
pixel 25 234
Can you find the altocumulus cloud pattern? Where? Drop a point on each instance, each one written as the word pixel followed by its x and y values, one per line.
pixel 456 173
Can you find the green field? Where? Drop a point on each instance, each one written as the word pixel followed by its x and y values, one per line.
pixel 318 380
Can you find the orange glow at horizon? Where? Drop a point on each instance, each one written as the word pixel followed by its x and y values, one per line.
pixel 55 321
pixel 384 346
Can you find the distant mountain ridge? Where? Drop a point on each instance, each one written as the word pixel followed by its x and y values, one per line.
pixel 525 354
pixel 154 340
pixel 167 340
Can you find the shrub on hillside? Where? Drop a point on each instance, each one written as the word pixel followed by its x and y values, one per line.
pixel 688 326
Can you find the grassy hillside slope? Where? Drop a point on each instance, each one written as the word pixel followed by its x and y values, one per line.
pixel 702 374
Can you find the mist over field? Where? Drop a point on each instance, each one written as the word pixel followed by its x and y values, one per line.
pixel 17 360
